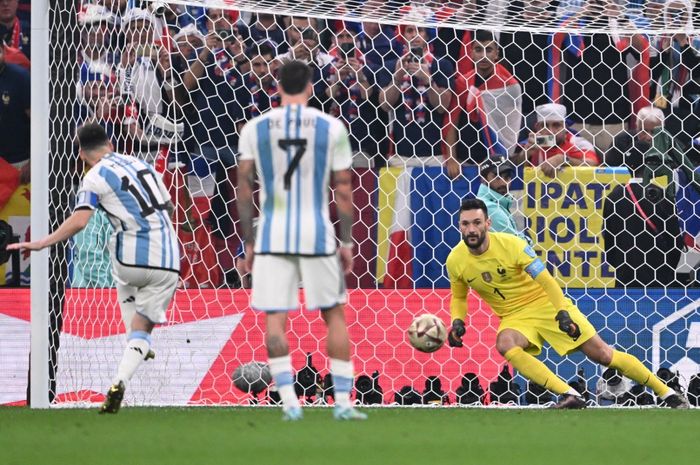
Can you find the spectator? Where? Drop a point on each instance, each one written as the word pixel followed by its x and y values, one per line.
pixel 264 28
pixel 678 71
pixel 97 102
pixel 95 56
pixel 379 46
pixel 648 119
pixel 641 231
pixel 304 46
pixel 188 40
pixel 596 86
pixel 486 110
pixel 13 31
pixel 95 21
pixel 220 22
pixel 219 97
pixel 261 81
pixel 419 96
pixel 137 71
pixel 496 176
pixel 351 85
pixel 552 146
pixel 525 54
pixel 14 115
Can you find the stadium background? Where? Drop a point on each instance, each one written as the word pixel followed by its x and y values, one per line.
pixel 405 228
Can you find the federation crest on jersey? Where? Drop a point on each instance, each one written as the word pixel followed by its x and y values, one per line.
pixel 486 276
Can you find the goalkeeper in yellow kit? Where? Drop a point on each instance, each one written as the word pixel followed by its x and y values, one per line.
pixel 504 270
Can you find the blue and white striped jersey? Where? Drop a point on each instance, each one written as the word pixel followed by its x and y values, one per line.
pixel 134 197
pixel 295 149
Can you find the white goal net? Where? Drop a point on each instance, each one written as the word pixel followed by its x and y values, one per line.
pixel 595 103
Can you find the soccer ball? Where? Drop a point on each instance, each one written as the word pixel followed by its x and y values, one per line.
pixel 427 333
pixel 252 377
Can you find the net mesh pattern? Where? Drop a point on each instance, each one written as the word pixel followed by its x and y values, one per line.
pixel 572 93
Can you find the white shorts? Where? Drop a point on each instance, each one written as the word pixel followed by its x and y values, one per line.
pixel 276 282
pixel 145 291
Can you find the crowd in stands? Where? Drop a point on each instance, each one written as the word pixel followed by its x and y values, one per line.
pixel 188 78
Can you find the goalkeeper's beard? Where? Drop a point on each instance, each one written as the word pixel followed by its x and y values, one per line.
pixel 474 241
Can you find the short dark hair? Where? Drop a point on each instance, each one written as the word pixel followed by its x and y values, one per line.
pixel 482 35
pixel 294 77
pixel 474 204
pixel 92 136
pixel 262 49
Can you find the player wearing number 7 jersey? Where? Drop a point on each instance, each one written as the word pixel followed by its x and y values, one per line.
pixel 294 150
pixel 505 271
pixel 144 249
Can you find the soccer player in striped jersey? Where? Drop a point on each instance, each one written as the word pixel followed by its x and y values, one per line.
pixel 294 149
pixel 144 250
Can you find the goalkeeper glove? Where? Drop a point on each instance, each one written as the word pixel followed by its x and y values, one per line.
pixel 567 325
pixel 454 338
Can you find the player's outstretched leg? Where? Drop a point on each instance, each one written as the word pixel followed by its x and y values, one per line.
pixel 281 365
pixel 510 344
pixel 630 366
pixel 341 366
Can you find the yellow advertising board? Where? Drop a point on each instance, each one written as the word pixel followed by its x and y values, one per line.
pixel 564 218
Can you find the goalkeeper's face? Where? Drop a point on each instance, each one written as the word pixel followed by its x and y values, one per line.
pixel 474 227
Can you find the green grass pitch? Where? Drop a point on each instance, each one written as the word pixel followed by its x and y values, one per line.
pixel 391 436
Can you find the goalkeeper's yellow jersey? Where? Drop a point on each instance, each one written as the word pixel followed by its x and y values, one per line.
pixel 503 276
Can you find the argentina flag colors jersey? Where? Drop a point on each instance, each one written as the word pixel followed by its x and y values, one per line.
pixel 295 148
pixel 134 198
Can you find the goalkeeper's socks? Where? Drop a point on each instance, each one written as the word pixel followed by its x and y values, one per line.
pixel 136 349
pixel 631 367
pixel 281 371
pixel 536 371
pixel 342 372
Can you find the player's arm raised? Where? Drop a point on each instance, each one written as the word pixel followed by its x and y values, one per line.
pixel 74 224
pixel 458 304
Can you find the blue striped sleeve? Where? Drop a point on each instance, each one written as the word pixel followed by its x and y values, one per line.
pixel 86 199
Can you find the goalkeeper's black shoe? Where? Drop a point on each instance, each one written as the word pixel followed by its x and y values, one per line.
pixel 150 355
pixel 114 398
pixel 570 402
pixel 676 401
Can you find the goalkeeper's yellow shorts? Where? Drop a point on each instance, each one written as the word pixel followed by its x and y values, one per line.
pixel 538 325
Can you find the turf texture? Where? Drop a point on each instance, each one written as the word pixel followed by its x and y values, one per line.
pixel 211 436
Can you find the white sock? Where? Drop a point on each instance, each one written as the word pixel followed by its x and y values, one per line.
pixel 573 392
pixel 281 371
pixel 136 349
pixel 342 372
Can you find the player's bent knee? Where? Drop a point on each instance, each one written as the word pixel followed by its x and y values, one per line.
pixel 598 351
pixel 504 344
